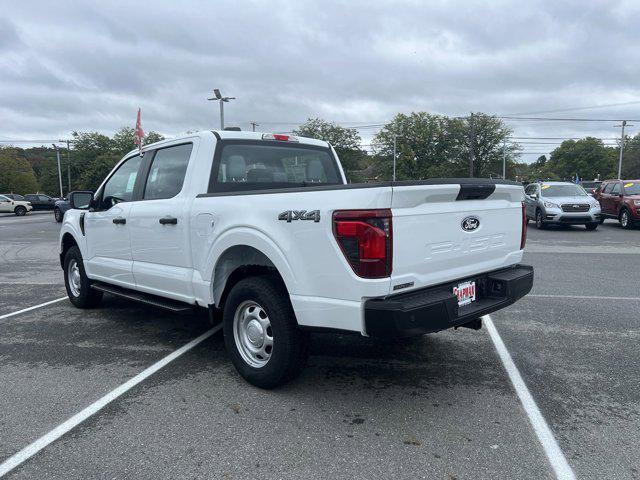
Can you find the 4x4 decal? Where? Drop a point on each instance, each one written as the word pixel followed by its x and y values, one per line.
pixel 290 215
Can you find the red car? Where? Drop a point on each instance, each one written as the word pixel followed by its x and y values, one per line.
pixel 620 199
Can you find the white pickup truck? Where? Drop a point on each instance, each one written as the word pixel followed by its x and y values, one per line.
pixel 264 229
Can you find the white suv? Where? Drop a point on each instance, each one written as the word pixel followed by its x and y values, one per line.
pixel 19 207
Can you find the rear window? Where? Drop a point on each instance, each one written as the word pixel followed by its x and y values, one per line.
pixel 259 165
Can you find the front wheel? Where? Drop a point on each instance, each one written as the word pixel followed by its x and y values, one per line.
pixel 57 214
pixel 20 211
pixel 540 225
pixel 261 333
pixel 625 219
pixel 591 226
pixel 76 281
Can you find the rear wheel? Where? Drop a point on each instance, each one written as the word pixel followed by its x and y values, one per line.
pixel 625 219
pixel 20 211
pixel 57 214
pixel 540 225
pixel 261 333
pixel 591 226
pixel 76 281
pixel 602 219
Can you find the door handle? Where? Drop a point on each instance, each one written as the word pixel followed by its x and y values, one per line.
pixel 119 221
pixel 168 221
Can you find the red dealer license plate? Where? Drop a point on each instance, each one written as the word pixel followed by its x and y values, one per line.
pixel 466 293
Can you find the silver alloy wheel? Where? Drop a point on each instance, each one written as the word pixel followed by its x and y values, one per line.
pixel 539 219
pixel 252 334
pixel 74 279
pixel 58 215
pixel 624 219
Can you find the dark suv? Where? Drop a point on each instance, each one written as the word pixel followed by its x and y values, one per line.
pixel 620 199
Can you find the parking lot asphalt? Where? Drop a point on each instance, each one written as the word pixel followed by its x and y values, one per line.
pixel 439 407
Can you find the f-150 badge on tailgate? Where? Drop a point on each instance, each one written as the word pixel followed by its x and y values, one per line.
pixel 290 215
pixel 470 224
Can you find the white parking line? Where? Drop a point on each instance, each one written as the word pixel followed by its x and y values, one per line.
pixel 30 450
pixel 583 297
pixel 7 315
pixel 551 448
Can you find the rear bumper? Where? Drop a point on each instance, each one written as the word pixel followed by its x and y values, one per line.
pixel 436 308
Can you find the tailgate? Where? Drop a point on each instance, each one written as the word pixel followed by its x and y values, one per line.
pixel 449 231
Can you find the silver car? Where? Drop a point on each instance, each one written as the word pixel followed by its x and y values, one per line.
pixel 561 203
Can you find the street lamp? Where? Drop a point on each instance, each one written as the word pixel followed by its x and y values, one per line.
pixel 59 172
pixel 395 140
pixel 218 96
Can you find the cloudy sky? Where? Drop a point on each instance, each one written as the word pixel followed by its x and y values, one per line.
pixel 88 65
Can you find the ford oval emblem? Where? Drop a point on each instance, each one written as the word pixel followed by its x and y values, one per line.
pixel 470 224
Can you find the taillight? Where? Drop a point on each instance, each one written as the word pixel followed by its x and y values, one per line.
pixel 523 236
pixel 365 238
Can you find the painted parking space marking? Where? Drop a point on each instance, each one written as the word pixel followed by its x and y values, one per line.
pixel 13 314
pixel 558 461
pixel 584 297
pixel 50 437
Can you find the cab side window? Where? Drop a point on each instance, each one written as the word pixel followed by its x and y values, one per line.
pixel 607 188
pixel 616 189
pixel 120 186
pixel 167 172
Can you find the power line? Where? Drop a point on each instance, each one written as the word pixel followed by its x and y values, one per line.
pixel 574 109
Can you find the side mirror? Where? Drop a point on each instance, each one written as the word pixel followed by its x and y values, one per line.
pixel 80 200
pixel 534 196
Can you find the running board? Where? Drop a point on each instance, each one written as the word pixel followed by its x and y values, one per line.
pixel 146 298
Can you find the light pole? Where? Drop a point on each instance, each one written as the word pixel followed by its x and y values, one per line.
pixel 218 96
pixel 395 140
pixel 254 125
pixel 59 172
pixel 68 164
pixel 504 159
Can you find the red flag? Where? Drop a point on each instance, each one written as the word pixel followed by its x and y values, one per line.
pixel 139 133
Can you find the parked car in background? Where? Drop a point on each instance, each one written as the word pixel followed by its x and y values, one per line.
pixel 39 201
pixel 591 187
pixel 18 207
pixel 561 203
pixel 59 208
pixel 620 200
pixel 13 196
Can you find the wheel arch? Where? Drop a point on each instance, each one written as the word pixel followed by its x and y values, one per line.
pixel 66 242
pixel 236 263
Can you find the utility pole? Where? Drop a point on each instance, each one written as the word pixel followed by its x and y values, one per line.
pixel 59 172
pixel 624 124
pixel 254 125
pixel 504 159
pixel 218 96
pixel 471 144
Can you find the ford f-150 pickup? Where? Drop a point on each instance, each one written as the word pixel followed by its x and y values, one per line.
pixel 264 231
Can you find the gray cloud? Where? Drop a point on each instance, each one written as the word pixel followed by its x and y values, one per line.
pixel 69 66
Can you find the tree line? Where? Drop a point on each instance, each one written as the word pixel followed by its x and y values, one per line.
pixel 427 146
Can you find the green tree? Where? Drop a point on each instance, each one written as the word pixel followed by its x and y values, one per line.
pixel 124 140
pixel 345 141
pixel 587 157
pixel 16 174
pixel 439 146
pixel 631 160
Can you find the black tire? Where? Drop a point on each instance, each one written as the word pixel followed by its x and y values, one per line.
pixel 625 219
pixel 20 211
pixel 288 354
pixel 540 225
pixel 57 214
pixel 82 295
pixel 592 226
pixel 602 219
